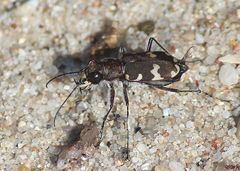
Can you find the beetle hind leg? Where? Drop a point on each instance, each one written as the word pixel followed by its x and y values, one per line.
pixel 177 90
pixel 149 46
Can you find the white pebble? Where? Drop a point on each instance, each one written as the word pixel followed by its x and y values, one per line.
pixel 152 150
pixel 135 160
pixel 226 114
pixel 141 147
pixel 52 70
pixel 22 124
pixel 123 168
pixel 228 75
pixel 21 40
pixel 230 151
pixel 212 52
pixel 161 167
pixel 166 112
pixel 199 38
pixel 189 124
pixel 231 59
pixel 38 65
pixel 145 166
pixel 176 166
pixel 231 132
pixel 66 87
pixel 82 106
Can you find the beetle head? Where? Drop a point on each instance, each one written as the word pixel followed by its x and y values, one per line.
pixel 182 62
pixel 92 73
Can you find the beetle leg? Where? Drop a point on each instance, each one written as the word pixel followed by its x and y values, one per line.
pixel 112 95
pixel 127 104
pixel 177 90
pixel 149 46
pixel 122 50
pixel 69 95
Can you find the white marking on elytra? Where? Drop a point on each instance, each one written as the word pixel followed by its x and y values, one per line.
pixel 127 77
pixel 152 55
pixel 154 71
pixel 139 77
pixel 173 73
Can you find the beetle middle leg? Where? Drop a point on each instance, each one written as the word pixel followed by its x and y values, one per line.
pixel 149 46
pixel 112 95
pixel 127 104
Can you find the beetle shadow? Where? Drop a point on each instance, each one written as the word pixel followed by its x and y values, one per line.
pixel 103 44
pixel 79 145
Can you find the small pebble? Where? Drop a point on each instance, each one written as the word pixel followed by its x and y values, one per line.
pixel 228 75
pixel 231 59
pixel 199 38
pixel 232 131
pixel 150 123
pixel 21 124
pixel 220 167
pixel 189 36
pixel 21 40
pixel 52 70
pixel 226 114
pixel 189 124
pixel 166 112
pixel 212 53
pixel 38 65
pixel 23 167
pixel 176 166
pixel 141 147
pixel 123 168
pixel 145 166
pixel 82 106
pixel 66 87
pixel 113 8
pixel 161 167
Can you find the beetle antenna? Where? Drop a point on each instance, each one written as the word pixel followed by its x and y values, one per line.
pixel 187 54
pixel 68 73
pixel 64 103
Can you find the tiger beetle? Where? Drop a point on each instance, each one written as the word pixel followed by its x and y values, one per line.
pixel 154 68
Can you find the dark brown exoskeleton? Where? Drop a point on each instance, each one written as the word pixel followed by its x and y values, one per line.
pixel 155 68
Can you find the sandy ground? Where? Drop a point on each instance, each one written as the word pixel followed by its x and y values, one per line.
pixel 186 131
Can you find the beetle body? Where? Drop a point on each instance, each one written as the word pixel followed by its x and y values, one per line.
pixel 157 68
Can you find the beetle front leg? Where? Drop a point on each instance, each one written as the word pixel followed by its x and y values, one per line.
pixel 112 95
pixel 127 104
pixel 149 46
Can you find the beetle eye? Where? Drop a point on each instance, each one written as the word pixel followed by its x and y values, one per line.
pixel 95 77
pixel 184 68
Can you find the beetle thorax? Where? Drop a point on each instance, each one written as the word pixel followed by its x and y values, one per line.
pixel 112 70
